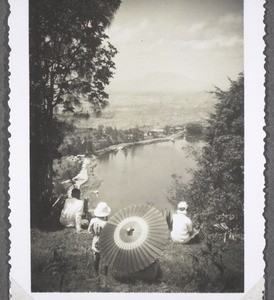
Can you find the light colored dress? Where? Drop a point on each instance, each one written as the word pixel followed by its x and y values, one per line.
pixel 95 227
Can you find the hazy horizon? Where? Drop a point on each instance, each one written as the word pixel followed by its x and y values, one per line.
pixel 154 110
pixel 200 40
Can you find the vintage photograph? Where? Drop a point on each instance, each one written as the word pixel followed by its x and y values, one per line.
pixel 136 122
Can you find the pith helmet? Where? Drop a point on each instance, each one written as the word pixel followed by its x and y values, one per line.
pixel 102 210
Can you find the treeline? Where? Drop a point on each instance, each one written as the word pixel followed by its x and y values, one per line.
pixel 216 192
pixel 191 129
pixel 89 140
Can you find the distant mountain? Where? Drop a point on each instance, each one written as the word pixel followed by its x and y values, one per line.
pixel 159 82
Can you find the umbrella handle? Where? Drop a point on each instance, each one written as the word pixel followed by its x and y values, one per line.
pixel 130 230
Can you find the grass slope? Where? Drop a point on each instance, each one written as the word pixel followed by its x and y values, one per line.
pixel 62 261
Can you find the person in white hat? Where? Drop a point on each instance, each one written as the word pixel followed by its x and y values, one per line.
pixel 182 229
pixel 101 213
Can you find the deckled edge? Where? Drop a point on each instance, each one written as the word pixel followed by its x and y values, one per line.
pixel 269 149
pixel 4 151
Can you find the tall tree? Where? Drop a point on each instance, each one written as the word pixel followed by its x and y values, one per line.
pixel 216 193
pixel 70 61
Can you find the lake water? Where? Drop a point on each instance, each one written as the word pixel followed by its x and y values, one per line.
pixel 142 174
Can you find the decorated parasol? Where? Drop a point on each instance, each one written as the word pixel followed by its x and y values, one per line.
pixel 133 238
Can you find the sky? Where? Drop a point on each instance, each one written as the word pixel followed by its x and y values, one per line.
pixel 200 39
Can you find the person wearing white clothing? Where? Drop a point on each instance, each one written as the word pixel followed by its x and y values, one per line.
pixel 182 229
pixel 71 214
pixel 96 225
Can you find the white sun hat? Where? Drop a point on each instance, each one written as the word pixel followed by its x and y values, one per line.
pixel 102 210
pixel 182 205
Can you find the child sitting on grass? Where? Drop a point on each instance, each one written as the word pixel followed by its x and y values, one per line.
pixel 101 213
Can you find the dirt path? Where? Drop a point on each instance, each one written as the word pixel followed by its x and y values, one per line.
pixel 89 188
pixel 86 181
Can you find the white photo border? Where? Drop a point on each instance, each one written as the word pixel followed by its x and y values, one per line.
pixel 20 250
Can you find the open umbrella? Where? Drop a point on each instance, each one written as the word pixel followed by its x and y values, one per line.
pixel 133 238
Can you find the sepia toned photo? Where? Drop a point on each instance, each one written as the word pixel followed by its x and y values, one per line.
pixel 141 124
pixel 136 146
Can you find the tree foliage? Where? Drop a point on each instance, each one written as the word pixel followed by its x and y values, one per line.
pixel 194 128
pixel 70 61
pixel 216 193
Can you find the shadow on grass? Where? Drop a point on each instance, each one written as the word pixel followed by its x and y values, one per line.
pixel 151 274
pixel 50 225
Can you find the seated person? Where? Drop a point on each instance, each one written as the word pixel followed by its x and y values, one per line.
pixel 71 214
pixel 182 230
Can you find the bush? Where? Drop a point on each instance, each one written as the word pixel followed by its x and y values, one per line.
pixel 64 169
pixel 194 129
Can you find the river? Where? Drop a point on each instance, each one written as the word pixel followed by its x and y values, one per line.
pixel 142 174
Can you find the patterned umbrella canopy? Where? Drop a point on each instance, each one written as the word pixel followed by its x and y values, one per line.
pixel 133 238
